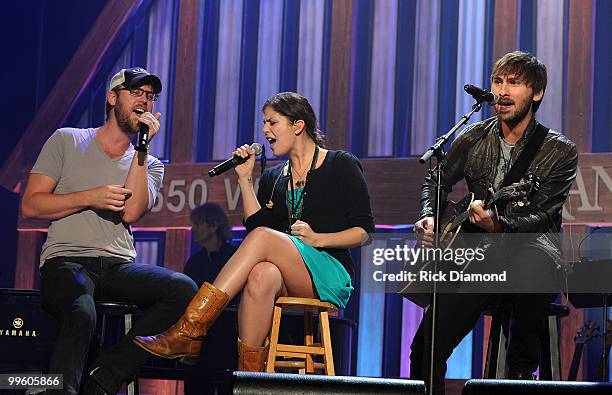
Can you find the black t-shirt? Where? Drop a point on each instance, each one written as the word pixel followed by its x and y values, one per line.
pixel 336 198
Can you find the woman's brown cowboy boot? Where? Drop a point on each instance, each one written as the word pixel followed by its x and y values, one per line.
pixel 252 359
pixel 184 339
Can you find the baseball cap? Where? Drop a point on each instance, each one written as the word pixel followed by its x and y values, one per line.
pixel 135 77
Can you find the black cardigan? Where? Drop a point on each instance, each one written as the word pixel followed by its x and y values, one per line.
pixel 336 198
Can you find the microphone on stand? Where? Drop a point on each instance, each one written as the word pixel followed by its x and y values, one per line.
pixel 481 95
pixel 233 161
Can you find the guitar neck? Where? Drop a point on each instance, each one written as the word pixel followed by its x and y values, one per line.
pixel 461 218
pixel 573 372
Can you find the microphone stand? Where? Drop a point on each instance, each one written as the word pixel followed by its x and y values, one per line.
pixel 437 150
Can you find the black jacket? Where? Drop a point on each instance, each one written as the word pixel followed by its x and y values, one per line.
pixel 474 156
pixel 336 198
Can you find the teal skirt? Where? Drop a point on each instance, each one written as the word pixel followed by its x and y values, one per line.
pixel 330 278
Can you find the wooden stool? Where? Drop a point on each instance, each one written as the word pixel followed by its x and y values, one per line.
pixel 308 307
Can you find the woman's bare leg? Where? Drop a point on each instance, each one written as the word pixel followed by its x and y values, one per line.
pixel 264 285
pixel 271 246
pixel 271 263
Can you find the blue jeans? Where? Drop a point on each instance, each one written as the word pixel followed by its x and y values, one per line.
pixel 69 288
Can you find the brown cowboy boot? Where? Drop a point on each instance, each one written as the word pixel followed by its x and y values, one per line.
pixel 184 339
pixel 252 359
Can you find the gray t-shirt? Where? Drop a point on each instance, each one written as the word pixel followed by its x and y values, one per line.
pixel 505 162
pixel 74 158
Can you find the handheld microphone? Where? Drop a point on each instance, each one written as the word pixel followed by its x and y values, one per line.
pixel 233 161
pixel 143 136
pixel 481 95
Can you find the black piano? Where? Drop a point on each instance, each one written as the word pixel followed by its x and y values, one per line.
pixel 26 332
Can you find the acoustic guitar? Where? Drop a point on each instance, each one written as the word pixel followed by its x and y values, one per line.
pixel 454 221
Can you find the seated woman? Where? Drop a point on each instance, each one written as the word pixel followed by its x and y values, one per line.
pixel 308 211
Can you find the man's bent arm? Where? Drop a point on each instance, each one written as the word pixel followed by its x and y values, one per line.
pixel 138 182
pixel 39 201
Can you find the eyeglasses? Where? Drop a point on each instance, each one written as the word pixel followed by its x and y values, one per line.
pixel 138 92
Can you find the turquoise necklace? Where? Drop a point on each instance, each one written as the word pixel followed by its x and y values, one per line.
pixel 295 199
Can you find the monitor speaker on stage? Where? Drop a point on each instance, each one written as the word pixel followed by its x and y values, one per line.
pixel 246 383
pixel 528 387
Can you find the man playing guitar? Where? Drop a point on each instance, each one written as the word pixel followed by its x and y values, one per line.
pixel 489 154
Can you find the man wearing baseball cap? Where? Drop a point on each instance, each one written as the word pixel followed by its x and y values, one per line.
pixel 134 78
pixel 92 184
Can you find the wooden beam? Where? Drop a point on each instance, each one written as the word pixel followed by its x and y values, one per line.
pixel 505 31
pixel 161 387
pixel 28 257
pixel 184 87
pixel 177 249
pixel 339 94
pixel 74 79
pixel 580 74
pixel 485 339
pixel 394 186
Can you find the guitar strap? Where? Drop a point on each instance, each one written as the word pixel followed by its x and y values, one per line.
pixel 519 168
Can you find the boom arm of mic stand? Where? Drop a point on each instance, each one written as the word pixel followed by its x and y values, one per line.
pixel 437 150
pixel 434 149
